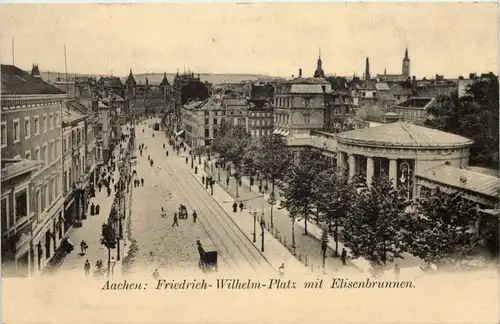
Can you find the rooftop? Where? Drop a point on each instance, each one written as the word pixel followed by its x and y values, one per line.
pixel 16 81
pixel 416 102
pixel 403 134
pixel 463 179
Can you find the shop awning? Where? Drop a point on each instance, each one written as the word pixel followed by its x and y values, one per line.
pixel 179 133
pixel 276 131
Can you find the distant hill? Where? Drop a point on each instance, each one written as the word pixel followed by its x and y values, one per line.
pixel 155 78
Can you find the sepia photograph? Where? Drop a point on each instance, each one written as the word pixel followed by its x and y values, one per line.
pixel 249 163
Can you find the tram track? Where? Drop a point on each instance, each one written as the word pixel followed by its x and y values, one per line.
pixel 233 245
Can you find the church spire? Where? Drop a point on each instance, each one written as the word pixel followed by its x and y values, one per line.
pixel 367 69
pixel 319 73
pixel 406 54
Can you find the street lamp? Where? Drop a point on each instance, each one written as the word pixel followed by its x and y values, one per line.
pixel 272 202
pixel 405 176
pixel 262 226
pixel 112 263
pixel 254 225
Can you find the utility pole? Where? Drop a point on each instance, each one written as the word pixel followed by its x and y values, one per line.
pixel 13 52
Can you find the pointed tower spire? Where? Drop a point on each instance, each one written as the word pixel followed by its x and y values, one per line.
pixel 367 69
pixel 406 53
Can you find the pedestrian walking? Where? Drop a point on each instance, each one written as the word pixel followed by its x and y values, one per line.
pixel 83 246
pixel 343 256
pixel 235 207
pixel 163 145
pixel 175 220
pixel 242 205
pixel 227 181
pixel 92 209
pixel 166 152
pixel 194 216
pixel 97 208
pixel 156 274
pixel 86 267
pixel 281 270
pixel 109 191
pixel 99 185
pixel 203 179
pixel 149 157
pixel 142 182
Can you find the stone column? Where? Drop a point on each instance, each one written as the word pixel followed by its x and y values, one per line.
pixel 340 161
pixel 352 166
pixel 369 170
pixel 393 172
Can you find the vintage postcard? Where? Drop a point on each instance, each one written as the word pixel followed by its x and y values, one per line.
pixel 249 163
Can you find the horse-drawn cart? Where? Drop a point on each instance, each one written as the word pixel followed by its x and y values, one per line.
pixel 183 213
pixel 208 258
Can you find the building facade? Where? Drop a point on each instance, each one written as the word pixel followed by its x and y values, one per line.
pixel 299 105
pixel 31 130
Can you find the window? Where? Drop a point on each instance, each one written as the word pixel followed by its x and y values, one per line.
pixel 36 125
pixel 207 133
pixel 4 134
pixel 58 121
pixel 44 122
pixel 5 214
pixel 16 131
pixel 52 190
pixel 45 154
pixel 21 203
pixel 207 113
pixel 57 148
pixel 46 195
pixel 51 121
pixel 214 121
pixel 37 153
pixel 51 151
pixel 27 128
pixel 207 121
pixel 27 155
pixel 38 203
pixel 307 119
pixel 58 186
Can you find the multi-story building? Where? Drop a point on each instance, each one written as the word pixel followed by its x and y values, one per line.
pixel 260 111
pixel 17 215
pixel 75 176
pixel 187 87
pixel 413 110
pixel 338 108
pixel 31 130
pixel 201 122
pixel 103 131
pixel 299 105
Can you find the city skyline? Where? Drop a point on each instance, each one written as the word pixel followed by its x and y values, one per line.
pixel 278 39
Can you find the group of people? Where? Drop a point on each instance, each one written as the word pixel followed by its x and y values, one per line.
pixel 182 209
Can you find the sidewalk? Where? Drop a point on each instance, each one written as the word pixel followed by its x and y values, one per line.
pixel 274 251
pixel 307 247
pixel 90 232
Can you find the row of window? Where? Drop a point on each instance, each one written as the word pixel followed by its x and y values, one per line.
pixel 218 113
pixel 260 132
pixel 50 151
pixel 261 122
pixel 50 123
pixel 261 114
pixel 14 208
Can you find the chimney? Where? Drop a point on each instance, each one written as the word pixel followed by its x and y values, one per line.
pixel 300 73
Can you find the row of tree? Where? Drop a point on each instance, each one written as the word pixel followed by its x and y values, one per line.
pixel 377 222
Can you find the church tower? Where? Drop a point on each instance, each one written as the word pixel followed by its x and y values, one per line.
pixel 406 65
pixel 367 69
pixel 319 73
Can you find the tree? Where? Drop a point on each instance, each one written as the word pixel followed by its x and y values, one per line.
pixel 299 183
pixel 474 116
pixel 334 194
pixel 232 145
pixel 373 226
pixel 271 156
pixel 442 228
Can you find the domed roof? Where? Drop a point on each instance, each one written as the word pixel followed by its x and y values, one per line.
pixel 403 134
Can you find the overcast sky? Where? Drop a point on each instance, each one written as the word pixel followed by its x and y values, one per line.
pixel 273 39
